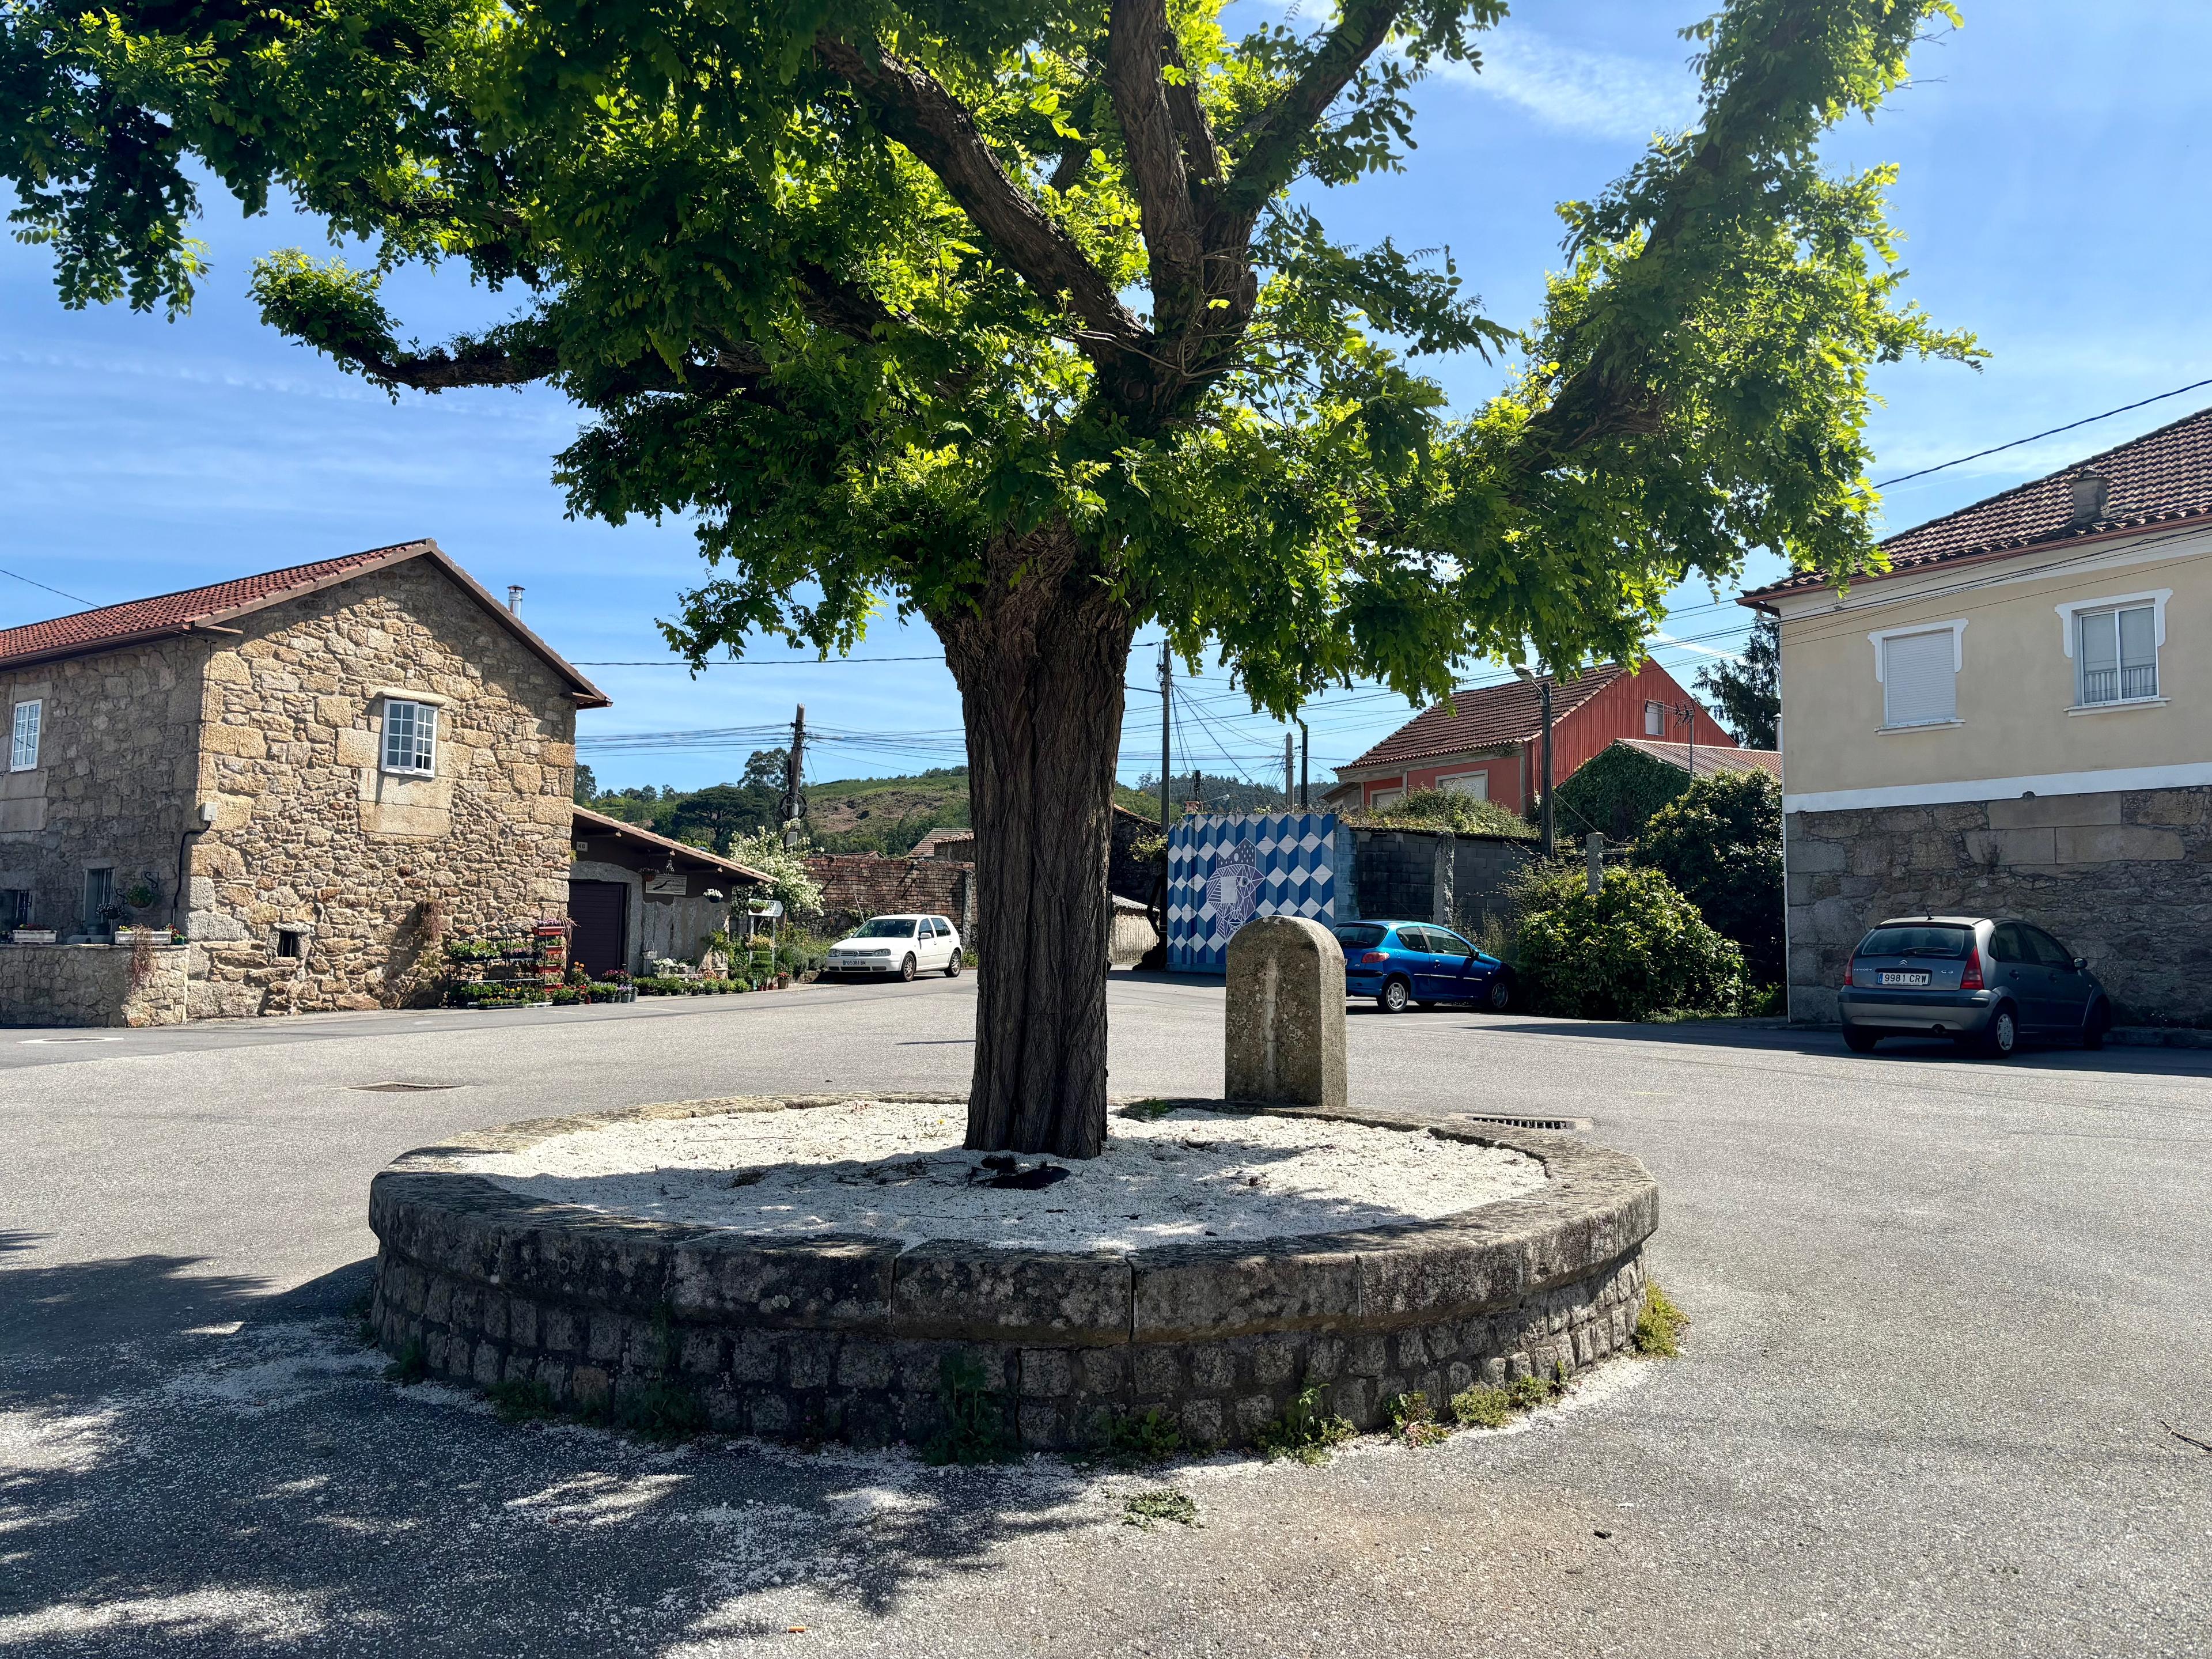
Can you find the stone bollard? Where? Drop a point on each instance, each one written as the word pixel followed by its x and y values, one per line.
pixel 1284 1036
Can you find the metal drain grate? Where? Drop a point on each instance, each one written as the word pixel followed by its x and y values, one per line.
pixel 400 1088
pixel 1524 1122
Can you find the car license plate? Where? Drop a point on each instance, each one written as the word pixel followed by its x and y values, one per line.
pixel 1920 978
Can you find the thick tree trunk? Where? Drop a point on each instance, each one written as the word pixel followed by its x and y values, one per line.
pixel 1040 669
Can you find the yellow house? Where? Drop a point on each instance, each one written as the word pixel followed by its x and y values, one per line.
pixel 2015 720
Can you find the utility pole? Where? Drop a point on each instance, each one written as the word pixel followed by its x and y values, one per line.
pixel 1305 767
pixel 1688 711
pixel 1290 765
pixel 1545 692
pixel 1167 753
pixel 793 806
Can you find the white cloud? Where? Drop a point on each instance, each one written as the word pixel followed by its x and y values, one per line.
pixel 1601 94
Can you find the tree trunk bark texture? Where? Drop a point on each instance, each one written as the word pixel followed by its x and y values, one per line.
pixel 1040 667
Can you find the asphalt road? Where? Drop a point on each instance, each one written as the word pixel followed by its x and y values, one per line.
pixel 1947 1391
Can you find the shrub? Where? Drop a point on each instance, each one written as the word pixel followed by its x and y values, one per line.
pixel 1135 1440
pixel 1148 1509
pixel 1463 815
pixel 1630 950
pixel 973 1426
pixel 1615 793
pixel 1482 1406
pixel 1413 1421
pixel 784 866
pixel 1720 843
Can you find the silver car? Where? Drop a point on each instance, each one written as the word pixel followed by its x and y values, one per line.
pixel 1987 984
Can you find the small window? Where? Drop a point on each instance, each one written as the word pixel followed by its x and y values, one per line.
pixel 1382 798
pixel 291 944
pixel 1475 786
pixel 411 738
pixel 2116 655
pixel 1920 679
pixel 2009 942
pixel 14 908
pixel 99 895
pixel 1655 719
pixel 23 755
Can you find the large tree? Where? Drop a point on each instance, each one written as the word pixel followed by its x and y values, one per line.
pixel 1016 315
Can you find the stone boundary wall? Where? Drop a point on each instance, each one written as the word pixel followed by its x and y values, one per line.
pixel 843 1338
pixel 857 885
pixel 2124 879
pixel 90 985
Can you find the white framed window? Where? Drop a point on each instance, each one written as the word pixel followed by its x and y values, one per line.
pixel 1475 786
pixel 1382 798
pixel 2114 643
pixel 411 737
pixel 1918 668
pixel 23 753
pixel 1655 719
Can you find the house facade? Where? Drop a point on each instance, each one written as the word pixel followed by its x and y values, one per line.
pixel 2016 720
pixel 635 897
pixel 1488 742
pixel 314 774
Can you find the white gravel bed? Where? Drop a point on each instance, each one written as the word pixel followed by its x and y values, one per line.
pixel 898 1170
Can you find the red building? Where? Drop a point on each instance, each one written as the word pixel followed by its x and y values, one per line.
pixel 1489 742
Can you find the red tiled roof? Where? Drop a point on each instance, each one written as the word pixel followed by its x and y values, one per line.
pixel 1484 718
pixel 2162 477
pixel 1711 758
pixel 109 627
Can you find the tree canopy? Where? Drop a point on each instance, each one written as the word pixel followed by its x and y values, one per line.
pixel 1749 691
pixel 864 286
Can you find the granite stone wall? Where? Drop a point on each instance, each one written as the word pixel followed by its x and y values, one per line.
pixel 845 1338
pixel 312 837
pixel 117 760
pixel 92 985
pixel 2124 879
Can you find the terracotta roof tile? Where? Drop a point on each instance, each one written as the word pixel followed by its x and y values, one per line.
pixel 1484 717
pixel 110 626
pixel 2162 477
pixel 589 823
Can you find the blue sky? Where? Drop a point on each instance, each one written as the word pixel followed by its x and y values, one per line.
pixel 2053 193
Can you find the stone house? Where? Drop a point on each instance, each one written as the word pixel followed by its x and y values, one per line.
pixel 313 774
pixel 1488 741
pixel 2015 720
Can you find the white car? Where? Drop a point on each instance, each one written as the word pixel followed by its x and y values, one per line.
pixel 905 946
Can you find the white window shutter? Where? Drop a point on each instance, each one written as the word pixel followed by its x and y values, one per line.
pixel 1473 785
pixel 1920 683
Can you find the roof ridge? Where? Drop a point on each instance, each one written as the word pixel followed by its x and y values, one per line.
pixel 2087 464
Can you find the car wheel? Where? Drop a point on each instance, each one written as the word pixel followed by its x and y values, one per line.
pixel 2003 1036
pixel 1501 994
pixel 2098 1023
pixel 1394 998
pixel 906 969
pixel 1858 1041
pixel 952 967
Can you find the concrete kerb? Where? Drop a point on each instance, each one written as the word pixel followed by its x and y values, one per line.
pixel 841 1337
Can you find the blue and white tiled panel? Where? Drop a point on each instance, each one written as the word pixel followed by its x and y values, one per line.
pixel 1224 870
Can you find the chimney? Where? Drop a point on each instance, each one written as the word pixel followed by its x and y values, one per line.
pixel 2090 489
pixel 514 596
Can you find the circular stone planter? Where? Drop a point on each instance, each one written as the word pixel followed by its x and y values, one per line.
pixel 845 1337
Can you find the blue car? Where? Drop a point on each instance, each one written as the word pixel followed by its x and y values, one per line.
pixel 1399 962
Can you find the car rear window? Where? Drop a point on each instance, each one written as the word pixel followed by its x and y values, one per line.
pixel 1358 937
pixel 1917 941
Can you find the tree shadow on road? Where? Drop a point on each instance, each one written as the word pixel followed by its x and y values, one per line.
pixel 221 1491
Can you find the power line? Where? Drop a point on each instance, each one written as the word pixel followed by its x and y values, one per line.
pixel 73 598
pixel 2000 449
pixel 741 662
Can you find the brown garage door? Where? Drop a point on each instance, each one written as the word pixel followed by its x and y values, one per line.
pixel 601 912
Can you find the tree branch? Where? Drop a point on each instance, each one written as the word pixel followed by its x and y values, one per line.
pixel 1135 32
pixel 911 107
pixel 1270 157
pixel 1202 155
